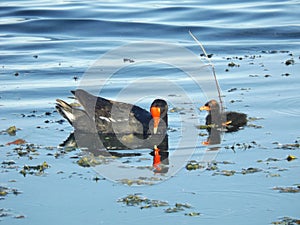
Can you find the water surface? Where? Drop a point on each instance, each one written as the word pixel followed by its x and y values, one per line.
pixel 45 45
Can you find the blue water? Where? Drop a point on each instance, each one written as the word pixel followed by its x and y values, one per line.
pixel 44 45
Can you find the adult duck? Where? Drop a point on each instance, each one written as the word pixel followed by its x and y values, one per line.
pixel 107 116
pixel 232 121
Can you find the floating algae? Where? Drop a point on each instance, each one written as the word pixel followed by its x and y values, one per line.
pixel 35 170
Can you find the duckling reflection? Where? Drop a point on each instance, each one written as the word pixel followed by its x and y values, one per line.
pixel 214 137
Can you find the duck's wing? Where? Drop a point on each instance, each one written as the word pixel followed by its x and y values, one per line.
pixel 113 116
pixel 93 104
pixel 125 117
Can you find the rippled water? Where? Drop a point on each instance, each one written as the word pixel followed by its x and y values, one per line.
pixel 45 45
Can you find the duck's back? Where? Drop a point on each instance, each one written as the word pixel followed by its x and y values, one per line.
pixel 119 117
pixel 113 116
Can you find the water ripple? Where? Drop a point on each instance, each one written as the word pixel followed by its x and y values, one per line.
pixel 289 106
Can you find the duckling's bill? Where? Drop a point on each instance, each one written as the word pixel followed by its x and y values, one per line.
pixel 206 108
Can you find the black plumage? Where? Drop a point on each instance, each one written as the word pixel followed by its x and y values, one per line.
pixel 108 116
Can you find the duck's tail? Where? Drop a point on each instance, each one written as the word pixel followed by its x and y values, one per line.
pixel 65 110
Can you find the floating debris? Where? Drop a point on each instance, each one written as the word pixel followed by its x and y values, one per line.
pixel 17 142
pixel 97 179
pixel 176 109
pixel 228 173
pixel 90 160
pixel 288 158
pixel 287 189
pixel 225 173
pixel 5 191
pixel 203 127
pixel 34 170
pixel 183 205
pixel 173 210
pixel 254 126
pixel 4 212
pixel 289 62
pixel 87 161
pixel 208 55
pixel 242 146
pixel 212 166
pixel 292 146
pixel 139 181
pixel 193 165
pixel 8 213
pixel 232 89
pixel 143 202
pixel 192 214
pixel 250 170
pixel 128 60
pixel 25 150
pixel 178 208
pixel 287 221
pixel 8 162
pixel 232 64
pixel 272 160
pixel 291 157
pixel 273 174
pixel 19 216
pixel 133 200
pixel 202 134
pixel 11 130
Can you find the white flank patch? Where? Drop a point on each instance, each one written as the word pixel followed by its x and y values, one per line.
pixel 70 115
pixel 112 120
pixel 104 118
pixel 122 120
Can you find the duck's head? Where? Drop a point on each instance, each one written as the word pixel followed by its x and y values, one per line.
pixel 159 112
pixel 211 105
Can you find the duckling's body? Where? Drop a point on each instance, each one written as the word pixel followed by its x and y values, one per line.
pixel 232 121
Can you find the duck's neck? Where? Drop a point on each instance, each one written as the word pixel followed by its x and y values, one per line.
pixel 165 119
pixel 163 125
pixel 216 116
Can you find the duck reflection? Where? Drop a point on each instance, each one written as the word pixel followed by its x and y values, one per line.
pixel 160 155
pixel 100 144
pixel 103 126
